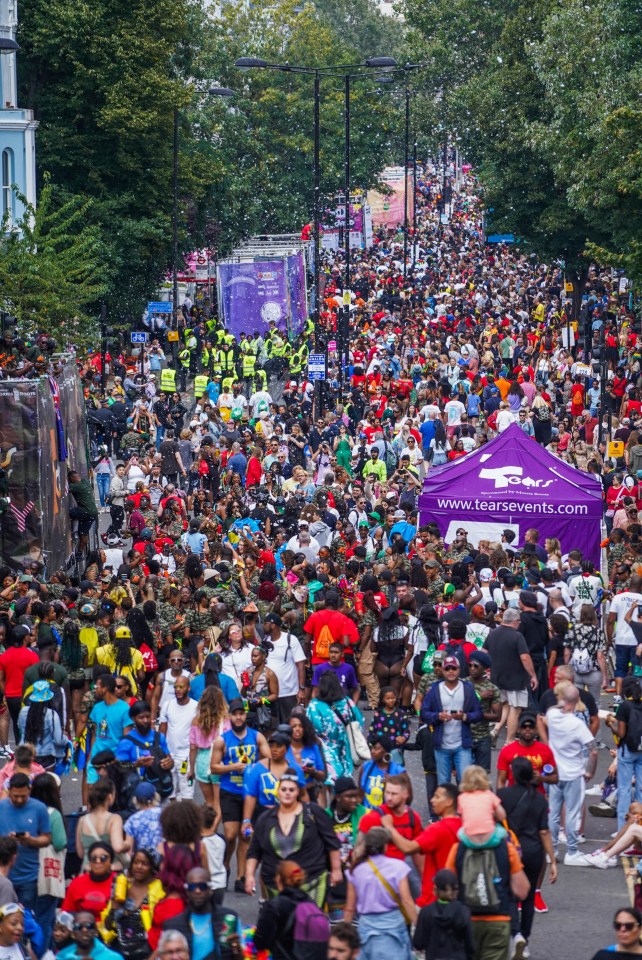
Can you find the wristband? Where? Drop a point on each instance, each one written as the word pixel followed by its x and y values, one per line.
pixel 246 820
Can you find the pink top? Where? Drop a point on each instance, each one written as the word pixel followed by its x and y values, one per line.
pixel 476 810
pixel 198 738
pixel 9 769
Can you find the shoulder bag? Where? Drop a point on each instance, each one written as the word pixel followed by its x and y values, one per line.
pixel 359 749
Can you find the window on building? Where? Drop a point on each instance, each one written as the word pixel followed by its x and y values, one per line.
pixel 7 181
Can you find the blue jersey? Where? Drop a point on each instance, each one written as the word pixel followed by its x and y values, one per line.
pixel 372 782
pixel 260 782
pixel 237 749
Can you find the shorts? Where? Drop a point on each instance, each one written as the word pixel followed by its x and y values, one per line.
pixel 202 766
pixel 514 698
pixel 231 807
pixel 624 656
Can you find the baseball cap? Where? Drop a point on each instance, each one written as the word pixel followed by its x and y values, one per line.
pixel 280 737
pixel 144 791
pixel 399 515
pixel 527 718
pixel 451 662
pixel 236 704
pixel 432 563
pixel 486 574
pixel 274 618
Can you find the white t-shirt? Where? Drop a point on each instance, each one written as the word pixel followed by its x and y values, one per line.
pixel 178 717
pixel 135 474
pixel 621 604
pixel 584 590
pixel 235 662
pixel 453 411
pixel 282 660
pixel 568 738
pixel 167 688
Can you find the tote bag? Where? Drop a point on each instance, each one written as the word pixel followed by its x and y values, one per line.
pixel 357 743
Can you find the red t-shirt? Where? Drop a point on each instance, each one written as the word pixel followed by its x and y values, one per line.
pixel 538 753
pixel 436 842
pixel 83 893
pixel 15 661
pixel 339 625
pixel 408 825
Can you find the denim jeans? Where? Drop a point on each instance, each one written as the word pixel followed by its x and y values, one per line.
pixel 450 759
pixel 27 894
pixel 571 793
pixel 160 435
pixel 629 764
pixel 103 481
pixel 482 753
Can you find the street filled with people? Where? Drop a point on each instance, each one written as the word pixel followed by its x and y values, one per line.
pixel 218 722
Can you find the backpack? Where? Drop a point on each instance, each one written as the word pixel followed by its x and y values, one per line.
pixel 389 458
pixel 581 660
pixel 131 935
pixel 479 879
pixel 311 929
pixel 325 638
pixel 633 738
pixel 160 779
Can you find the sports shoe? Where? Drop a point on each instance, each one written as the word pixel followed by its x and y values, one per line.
pixel 581 838
pixel 594 791
pixel 576 859
pixel 526 953
pixel 601 860
pixel 602 809
pixel 540 905
pixel 561 837
pixel 631 852
pixel 518 946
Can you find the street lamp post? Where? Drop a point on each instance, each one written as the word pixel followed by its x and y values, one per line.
pixel 372 63
pixel 213 92
pixel 414 204
pixel 405 181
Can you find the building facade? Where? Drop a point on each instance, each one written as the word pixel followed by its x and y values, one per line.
pixel 17 129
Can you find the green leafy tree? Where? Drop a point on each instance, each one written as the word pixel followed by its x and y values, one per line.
pixel 263 140
pixel 53 269
pixel 104 79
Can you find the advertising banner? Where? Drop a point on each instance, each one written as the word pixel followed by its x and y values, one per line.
pixel 514 483
pixel 253 293
pixel 388 209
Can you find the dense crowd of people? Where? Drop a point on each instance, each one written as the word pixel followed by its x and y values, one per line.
pixel 265 633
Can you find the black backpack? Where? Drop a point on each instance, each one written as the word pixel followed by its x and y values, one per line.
pixel 161 779
pixel 633 738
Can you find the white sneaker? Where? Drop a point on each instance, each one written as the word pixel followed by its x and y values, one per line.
pixel 594 791
pixel 561 837
pixel 581 838
pixel 526 953
pixel 518 946
pixel 601 860
pixel 577 859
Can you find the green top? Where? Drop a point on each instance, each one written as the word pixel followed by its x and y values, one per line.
pixel 58 832
pixel 83 494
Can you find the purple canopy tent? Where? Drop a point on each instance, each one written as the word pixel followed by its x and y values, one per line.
pixel 513 483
